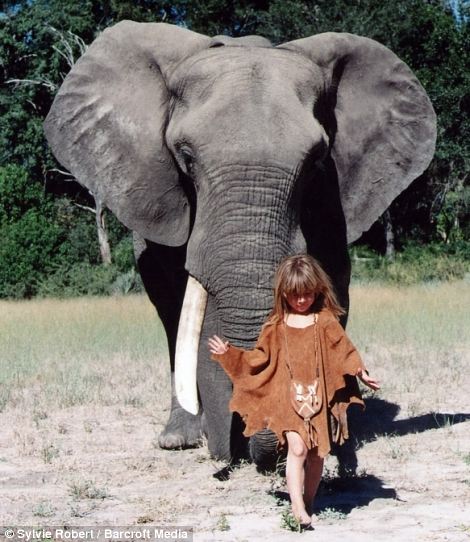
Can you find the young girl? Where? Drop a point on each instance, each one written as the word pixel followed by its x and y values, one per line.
pixel 301 344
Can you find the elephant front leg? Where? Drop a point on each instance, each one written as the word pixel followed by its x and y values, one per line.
pixel 164 277
pixel 183 430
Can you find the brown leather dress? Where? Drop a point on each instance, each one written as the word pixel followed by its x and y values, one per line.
pixel 261 380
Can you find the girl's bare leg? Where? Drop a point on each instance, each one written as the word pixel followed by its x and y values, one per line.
pixel 313 472
pixel 295 474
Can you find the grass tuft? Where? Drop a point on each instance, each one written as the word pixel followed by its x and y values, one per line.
pixel 87 489
pixel 289 522
pixel 222 523
pixel 331 515
pixel 44 509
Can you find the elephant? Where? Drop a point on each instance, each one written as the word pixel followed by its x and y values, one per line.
pixel 225 155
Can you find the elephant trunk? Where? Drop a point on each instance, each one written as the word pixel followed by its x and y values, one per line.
pixel 242 316
pixel 243 286
pixel 244 226
pixel 247 220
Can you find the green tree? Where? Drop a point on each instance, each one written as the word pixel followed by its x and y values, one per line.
pixel 30 235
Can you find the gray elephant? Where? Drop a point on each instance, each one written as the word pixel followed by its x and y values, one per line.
pixel 225 155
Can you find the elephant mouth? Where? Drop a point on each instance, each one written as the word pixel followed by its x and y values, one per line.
pixel 187 343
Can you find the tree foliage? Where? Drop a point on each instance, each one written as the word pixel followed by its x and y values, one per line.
pixel 29 237
pixel 44 233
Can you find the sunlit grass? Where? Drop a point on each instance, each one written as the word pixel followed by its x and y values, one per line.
pixel 417 341
pixel 80 350
pixel 79 327
pixel 59 353
pixel 431 315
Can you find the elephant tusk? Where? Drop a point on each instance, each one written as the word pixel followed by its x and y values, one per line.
pixel 187 344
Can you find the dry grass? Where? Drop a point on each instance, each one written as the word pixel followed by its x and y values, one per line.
pixel 427 316
pixel 416 339
pixel 59 353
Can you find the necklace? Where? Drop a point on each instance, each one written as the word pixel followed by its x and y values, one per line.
pixel 315 320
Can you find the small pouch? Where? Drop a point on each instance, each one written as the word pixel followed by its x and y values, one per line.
pixel 306 399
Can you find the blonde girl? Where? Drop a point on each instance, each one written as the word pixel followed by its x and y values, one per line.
pixel 300 376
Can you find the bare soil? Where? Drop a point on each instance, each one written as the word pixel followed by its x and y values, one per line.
pixel 99 466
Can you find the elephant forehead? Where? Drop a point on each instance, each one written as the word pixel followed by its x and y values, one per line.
pixel 225 69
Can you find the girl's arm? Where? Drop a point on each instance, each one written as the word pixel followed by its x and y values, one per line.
pixel 239 363
pixel 364 377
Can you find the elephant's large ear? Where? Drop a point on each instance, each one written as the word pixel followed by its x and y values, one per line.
pixel 385 129
pixel 107 126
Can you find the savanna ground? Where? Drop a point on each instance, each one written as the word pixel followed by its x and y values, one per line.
pixel 84 393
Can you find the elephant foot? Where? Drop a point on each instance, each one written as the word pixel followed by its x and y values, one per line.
pixel 263 450
pixel 183 430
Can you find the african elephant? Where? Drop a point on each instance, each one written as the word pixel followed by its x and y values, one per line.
pixel 225 155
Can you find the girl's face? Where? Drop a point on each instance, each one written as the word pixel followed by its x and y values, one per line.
pixel 300 304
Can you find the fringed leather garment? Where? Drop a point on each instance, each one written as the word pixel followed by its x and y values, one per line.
pixel 261 381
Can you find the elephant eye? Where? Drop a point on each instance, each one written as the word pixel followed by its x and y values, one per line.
pixel 187 159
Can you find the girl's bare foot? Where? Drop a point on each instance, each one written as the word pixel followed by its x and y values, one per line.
pixel 302 517
pixel 314 519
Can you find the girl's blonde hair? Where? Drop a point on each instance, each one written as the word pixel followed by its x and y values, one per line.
pixel 297 275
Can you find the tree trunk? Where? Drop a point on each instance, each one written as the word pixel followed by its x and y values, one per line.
pixel 103 240
pixel 389 236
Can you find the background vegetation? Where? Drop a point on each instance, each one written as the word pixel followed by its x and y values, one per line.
pixel 48 233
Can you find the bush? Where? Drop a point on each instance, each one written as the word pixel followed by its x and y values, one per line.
pixel 128 283
pixel 28 250
pixel 86 279
pixel 18 194
pixel 80 279
pixel 123 254
pixel 435 262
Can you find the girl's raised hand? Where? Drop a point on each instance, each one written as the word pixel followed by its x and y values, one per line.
pixel 217 345
pixel 372 383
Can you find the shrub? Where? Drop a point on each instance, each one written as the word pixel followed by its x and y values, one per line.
pixel 434 262
pixel 28 250
pixel 86 279
pixel 77 280
pixel 123 254
pixel 50 247
pixel 127 283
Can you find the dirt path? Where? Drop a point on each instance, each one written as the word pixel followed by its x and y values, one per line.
pixel 100 466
